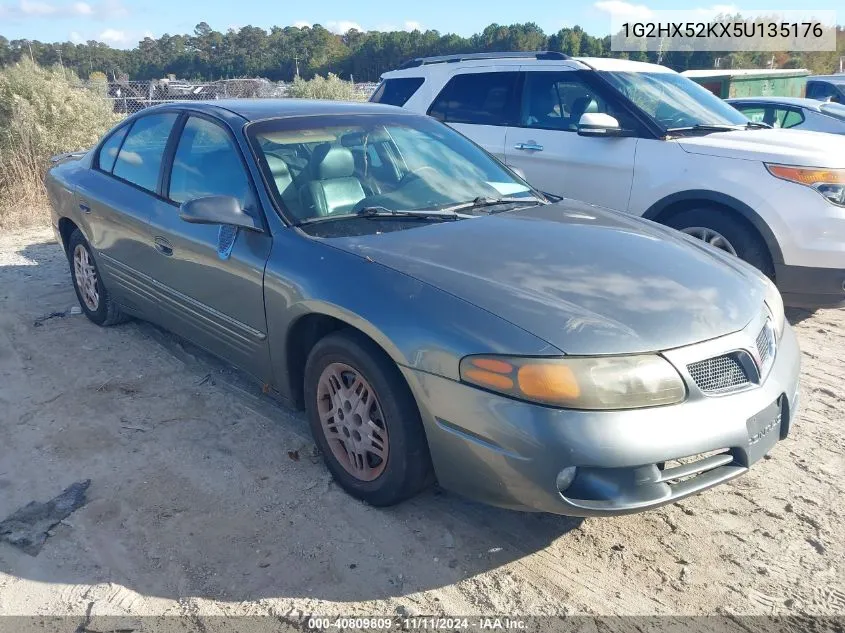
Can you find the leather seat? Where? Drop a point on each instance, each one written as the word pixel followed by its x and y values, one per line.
pixel 281 173
pixel 333 188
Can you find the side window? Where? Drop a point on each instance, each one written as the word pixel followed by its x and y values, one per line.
pixel 557 100
pixel 788 118
pixel 139 160
pixel 819 90
pixel 109 148
pixel 754 113
pixel 207 164
pixel 760 114
pixel 480 98
pixel 397 91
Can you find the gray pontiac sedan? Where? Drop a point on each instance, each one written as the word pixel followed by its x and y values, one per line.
pixel 437 317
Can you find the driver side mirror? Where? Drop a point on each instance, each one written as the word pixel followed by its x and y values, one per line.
pixel 224 210
pixel 598 124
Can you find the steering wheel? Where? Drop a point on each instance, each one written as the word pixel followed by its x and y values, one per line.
pixel 415 174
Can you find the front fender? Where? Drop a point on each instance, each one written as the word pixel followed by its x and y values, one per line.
pixel 416 324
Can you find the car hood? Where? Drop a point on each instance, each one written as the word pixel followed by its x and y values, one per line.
pixel 790 147
pixel 584 279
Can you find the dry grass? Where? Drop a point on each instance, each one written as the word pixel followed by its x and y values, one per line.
pixel 331 87
pixel 43 111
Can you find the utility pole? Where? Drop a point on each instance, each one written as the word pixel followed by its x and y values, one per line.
pixel 296 61
pixel 31 58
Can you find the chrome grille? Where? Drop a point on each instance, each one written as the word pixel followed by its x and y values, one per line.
pixel 719 374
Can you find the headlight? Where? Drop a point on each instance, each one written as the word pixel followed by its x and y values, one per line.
pixel 828 182
pixel 621 382
pixel 775 304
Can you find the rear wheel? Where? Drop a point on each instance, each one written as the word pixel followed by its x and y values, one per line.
pixel 725 231
pixel 365 420
pixel 95 300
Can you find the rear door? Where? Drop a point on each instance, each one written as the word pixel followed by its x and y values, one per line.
pixel 480 103
pixel 545 145
pixel 117 197
pixel 210 296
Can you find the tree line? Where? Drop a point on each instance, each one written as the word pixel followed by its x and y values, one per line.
pixel 283 52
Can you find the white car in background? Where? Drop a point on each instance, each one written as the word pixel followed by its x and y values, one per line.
pixel 642 138
pixel 793 113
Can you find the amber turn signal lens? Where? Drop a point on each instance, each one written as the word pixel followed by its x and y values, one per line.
pixel 485 378
pixel 807 175
pixel 493 364
pixel 551 383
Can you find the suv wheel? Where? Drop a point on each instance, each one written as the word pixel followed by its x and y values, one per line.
pixel 723 230
pixel 365 420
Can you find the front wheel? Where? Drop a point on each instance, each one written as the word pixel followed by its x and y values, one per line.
pixel 727 232
pixel 95 300
pixel 365 420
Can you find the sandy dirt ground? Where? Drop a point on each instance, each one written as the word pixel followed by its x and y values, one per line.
pixel 198 506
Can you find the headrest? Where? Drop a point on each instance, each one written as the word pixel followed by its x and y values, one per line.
pixel 277 166
pixel 331 161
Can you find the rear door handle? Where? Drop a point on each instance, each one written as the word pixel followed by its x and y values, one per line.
pixel 163 246
pixel 534 147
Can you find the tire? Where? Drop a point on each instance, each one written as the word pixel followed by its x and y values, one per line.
pixel 406 469
pixel 103 311
pixel 744 239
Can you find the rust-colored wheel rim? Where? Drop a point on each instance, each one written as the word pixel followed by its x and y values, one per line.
pixel 352 421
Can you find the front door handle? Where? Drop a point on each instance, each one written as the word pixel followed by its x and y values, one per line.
pixel 530 145
pixel 163 246
pixel 84 206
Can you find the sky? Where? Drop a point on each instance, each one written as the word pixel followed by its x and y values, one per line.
pixel 122 23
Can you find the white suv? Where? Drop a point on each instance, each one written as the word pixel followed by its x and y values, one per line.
pixel 644 139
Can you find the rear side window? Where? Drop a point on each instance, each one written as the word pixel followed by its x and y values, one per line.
pixel 786 118
pixel 480 98
pixel 108 150
pixel 139 160
pixel 397 91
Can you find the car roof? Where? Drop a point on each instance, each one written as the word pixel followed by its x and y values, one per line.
pixel 811 104
pixel 447 63
pixel 256 109
pixel 834 79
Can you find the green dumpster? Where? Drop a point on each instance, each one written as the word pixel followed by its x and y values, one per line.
pixel 752 82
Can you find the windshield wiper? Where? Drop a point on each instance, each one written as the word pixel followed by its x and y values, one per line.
pixel 482 202
pixel 757 125
pixel 705 127
pixel 384 212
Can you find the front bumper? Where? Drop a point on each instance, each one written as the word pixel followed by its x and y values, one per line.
pixel 509 453
pixel 804 287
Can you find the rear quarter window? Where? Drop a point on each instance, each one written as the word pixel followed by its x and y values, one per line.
pixel 397 91
pixel 109 148
pixel 479 98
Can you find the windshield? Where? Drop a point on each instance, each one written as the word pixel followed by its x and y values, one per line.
pixel 673 101
pixel 836 110
pixel 318 167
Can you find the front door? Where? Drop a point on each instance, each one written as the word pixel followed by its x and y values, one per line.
pixel 546 146
pixel 211 294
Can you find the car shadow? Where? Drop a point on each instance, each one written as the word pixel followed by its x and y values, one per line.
pixel 798 315
pixel 202 485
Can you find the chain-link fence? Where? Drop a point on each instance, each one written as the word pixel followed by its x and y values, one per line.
pixel 132 96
